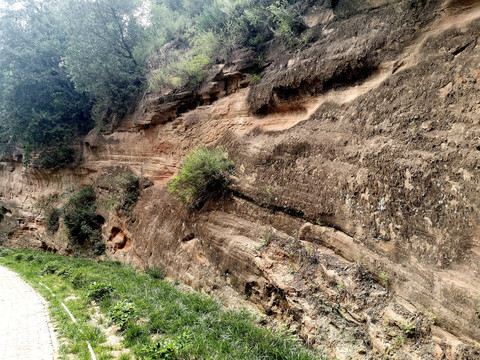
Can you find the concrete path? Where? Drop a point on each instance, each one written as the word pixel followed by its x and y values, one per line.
pixel 25 329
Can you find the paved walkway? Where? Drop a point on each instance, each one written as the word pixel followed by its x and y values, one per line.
pixel 25 330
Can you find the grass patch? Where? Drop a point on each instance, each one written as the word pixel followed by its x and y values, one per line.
pixel 156 320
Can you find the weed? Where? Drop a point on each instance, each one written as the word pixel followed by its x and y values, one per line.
pixel 99 248
pixel 78 280
pixel 123 191
pixel 399 341
pixel 50 268
pixel 64 272
pixel 122 313
pixel 29 257
pixel 268 195
pixel 135 335
pixel 56 157
pixel 99 291
pixel 18 257
pixel 266 240
pixel 408 329
pixel 151 312
pixel 156 272
pixel 163 349
pixel 52 217
pixel 383 279
pixel 255 79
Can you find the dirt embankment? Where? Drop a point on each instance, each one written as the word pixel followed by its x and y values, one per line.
pixel 353 213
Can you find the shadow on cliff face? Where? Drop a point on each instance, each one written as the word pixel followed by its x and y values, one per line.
pixel 457 6
pixel 342 52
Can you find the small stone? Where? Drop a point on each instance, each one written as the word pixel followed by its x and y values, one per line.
pixel 438 353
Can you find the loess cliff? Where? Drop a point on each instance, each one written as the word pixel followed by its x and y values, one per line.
pixel 354 208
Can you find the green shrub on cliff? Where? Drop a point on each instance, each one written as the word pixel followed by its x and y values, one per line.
pixel 80 219
pixel 52 217
pixel 203 175
pixel 123 190
pixel 56 157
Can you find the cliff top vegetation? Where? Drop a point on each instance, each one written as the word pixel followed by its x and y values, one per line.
pixel 67 66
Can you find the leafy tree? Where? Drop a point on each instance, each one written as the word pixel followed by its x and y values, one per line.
pixel 100 57
pixel 38 102
pixel 64 62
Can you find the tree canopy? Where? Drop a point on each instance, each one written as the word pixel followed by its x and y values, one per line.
pixel 68 64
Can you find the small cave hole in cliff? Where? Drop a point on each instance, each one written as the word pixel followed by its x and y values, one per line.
pixel 119 239
pixel 188 237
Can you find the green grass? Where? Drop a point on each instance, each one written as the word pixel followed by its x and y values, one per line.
pixel 156 319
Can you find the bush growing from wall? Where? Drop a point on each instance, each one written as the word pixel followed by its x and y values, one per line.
pixel 203 175
pixel 81 221
pixel 52 217
pixel 123 190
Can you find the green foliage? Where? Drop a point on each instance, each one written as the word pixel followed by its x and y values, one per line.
pixel 47 206
pixel 50 268
pixel 55 157
pixel 255 79
pixel 122 313
pixel 99 247
pixel 187 69
pixel 384 280
pixel 52 217
pixel 203 175
pixel 99 291
pixel 156 273
pixel 123 188
pixel 78 279
pixel 100 55
pixel 64 62
pixel 79 217
pixel 287 23
pixel 38 102
pixel 267 238
pixel 165 320
pixel 211 31
pixel 18 257
pixel 29 257
pixel 409 329
pixel 163 349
